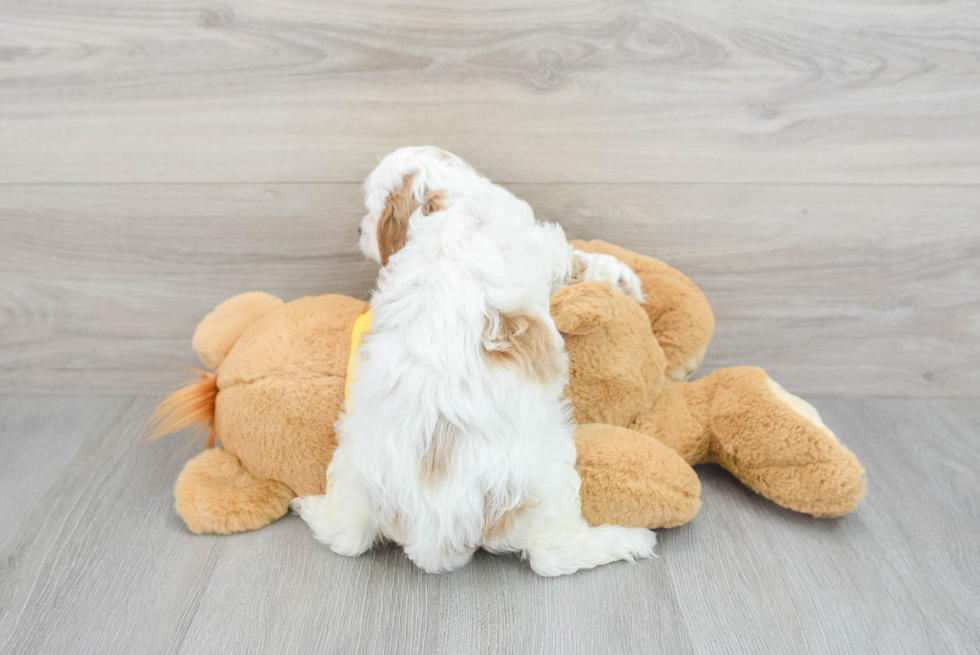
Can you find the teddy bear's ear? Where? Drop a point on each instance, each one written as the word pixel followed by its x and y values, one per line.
pixel 581 308
pixel 220 330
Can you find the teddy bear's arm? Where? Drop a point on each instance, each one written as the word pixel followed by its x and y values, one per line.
pixel 221 329
pixel 679 313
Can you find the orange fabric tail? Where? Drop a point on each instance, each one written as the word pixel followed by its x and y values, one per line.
pixel 191 404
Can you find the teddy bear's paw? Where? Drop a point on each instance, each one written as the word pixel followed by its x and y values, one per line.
pixel 608 269
pixel 684 372
pixel 801 407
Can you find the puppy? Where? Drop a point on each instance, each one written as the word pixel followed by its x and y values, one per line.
pixel 384 229
pixel 456 436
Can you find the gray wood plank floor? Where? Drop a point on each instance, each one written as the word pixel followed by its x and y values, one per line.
pixel 94 560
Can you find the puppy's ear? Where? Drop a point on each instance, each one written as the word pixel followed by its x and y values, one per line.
pixel 580 309
pixel 399 207
pixel 393 222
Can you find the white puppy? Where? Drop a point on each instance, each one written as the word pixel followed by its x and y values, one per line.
pixel 456 436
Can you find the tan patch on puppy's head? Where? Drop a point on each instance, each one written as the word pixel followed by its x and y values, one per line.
pixel 438 458
pixel 435 201
pixel 399 206
pixel 393 221
pixel 523 342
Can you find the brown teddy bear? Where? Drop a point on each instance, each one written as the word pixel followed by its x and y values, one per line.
pixel 621 373
pixel 278 387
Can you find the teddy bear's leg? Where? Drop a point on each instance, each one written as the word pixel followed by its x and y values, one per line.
pixel 215 495
pixel 633 480
pixel 218 332
pixel 772 441
pixel 679 313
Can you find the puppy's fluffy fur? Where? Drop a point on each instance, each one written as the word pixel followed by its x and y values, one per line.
pixel 456 436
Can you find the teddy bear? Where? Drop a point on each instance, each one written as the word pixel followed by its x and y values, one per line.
pixel 622 373
pixel 280 371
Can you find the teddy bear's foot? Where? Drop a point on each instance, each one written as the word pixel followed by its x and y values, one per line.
pixel 776 444
pixel 682 372
pixel 633 480
pixel 215 495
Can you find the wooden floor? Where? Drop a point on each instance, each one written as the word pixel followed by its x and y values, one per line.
pixel 93 559
pixel 813 166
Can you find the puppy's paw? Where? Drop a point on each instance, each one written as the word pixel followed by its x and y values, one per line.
pixel 629 283
pixel 347 532
pixel 633 543
pixel 305 506
pixel 608 269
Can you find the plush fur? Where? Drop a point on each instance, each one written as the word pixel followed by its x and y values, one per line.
pixel 772 441
pixel 303 439
pixel 456 435
pixel 681 317
pixel 286 377
pixel 221 330
pixel 633 477
pixel 215 494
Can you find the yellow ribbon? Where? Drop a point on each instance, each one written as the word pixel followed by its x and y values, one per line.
pixel 361 325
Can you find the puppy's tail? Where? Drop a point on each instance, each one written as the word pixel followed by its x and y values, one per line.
pixel 192 404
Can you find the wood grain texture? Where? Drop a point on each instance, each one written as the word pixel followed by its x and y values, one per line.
pixel 865 290
pixel 833 290
pixel 92 537
pixel 94 560
pixel 571 91
pixel 84 269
